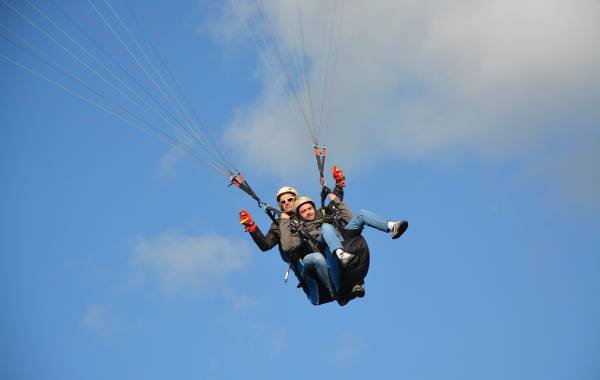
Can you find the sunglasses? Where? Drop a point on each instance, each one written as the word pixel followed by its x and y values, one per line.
pixel 288 200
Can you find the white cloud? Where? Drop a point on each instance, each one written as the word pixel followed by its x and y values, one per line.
pixel 576 167
pixel 98 318
pixel 239 302
pixel 347 350
pixel 278 343
pixel 434 79
pixel 180 262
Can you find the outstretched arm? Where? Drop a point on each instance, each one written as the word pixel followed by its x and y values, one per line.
pixel 340 182
pixel 268 241
pixel 264 242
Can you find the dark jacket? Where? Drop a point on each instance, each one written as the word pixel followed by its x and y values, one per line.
pixel 268 241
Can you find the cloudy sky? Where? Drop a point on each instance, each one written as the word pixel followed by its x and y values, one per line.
pixel 478 122
pixel 495 80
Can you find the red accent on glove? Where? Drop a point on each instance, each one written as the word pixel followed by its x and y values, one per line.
pixel 246 221
pixel 338 175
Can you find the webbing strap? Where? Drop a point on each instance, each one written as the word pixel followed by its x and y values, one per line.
pixel 320 155
pixel 239 181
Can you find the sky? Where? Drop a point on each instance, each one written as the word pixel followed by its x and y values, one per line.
pixel 478 122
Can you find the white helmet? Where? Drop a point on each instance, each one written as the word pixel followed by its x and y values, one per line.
pixel 286 189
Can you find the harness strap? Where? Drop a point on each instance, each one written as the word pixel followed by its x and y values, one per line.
pixel 239 181
pixel 320 155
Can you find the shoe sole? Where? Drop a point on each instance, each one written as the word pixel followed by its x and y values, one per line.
pixel 401 230
pixel 360 292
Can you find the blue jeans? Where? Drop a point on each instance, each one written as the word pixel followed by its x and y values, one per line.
pixel 330 237
pixel 315 270
pixel 367 218
pixel 333 242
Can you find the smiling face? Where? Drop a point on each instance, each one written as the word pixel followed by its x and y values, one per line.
pixel 286 202
pixel 307 211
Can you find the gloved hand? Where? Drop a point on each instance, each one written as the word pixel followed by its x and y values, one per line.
pixel 338 175
pixel 246 221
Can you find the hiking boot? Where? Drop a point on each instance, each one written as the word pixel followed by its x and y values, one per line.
pixel 398 229
pixel 344 257
pixel 357 291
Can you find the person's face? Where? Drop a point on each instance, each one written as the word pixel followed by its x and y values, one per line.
pixel 286 202
pixel 307 211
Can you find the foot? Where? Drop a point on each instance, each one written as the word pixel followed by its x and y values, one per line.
pixel 344 257
pixel 358 291
pixel 398 229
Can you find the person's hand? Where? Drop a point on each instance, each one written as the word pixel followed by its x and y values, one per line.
pixel 338 176
pixel 246 221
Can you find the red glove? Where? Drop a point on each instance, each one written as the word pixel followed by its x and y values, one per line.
pixel 338 175
pixel 246 221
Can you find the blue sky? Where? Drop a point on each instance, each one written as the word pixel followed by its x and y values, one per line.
pixel 478 123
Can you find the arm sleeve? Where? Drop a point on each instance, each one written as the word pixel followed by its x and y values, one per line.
pixel 345 211
pixel 268 241
pixel 339 192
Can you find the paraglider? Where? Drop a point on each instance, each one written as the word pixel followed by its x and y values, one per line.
pixel 326 227
pixel 323 247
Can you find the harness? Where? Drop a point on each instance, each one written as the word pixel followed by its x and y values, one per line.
pixel 330 215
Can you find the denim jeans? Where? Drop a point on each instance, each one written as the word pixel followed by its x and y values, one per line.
pixel 315 270
pixel 330 237
pixel 367 218
pixel 333 242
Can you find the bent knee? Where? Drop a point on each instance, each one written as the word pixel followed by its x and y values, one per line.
pixel 314 259
pixel 362 212
pixel 327 227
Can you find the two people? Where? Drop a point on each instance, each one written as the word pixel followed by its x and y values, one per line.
pixel 327 230
pixel 324 247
